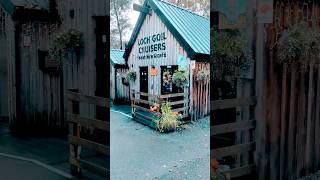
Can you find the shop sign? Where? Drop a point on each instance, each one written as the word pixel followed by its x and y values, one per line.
pixel 151 47
pixel 265 11
pixel 153 71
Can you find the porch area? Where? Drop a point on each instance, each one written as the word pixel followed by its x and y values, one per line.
pixel 146 108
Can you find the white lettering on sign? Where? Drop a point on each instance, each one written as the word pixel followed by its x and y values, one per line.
pixel 152 46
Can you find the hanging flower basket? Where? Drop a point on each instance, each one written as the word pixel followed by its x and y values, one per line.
pixel 230 55
pixel 298 45
pixel 180 78
pixel 65 43
pixel 203 75
pixel 130 76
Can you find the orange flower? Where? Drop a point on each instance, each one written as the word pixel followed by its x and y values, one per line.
pixel 175 114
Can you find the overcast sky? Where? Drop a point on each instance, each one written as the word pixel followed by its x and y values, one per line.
pixel 133 18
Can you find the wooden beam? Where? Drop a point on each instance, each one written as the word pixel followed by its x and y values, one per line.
pixel 99 101
pixel 89 145
pixel 232 103
pixel 88 122
pixel 231 127
pixel 241 171
pixel 232 150
pixel 142 9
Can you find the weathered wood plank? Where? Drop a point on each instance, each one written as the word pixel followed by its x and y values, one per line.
pixel 89 144
pixel 141 108
pixel 93 167
pixel 145 102
pixel 231 127
pixel 172 95
pixel 232 150
pixel 88 122
pixel 241 171
pixel 231 103
pixel 99 101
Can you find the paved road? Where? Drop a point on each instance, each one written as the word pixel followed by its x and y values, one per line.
pixel 50 151
pixel 13 169
pixel 139 152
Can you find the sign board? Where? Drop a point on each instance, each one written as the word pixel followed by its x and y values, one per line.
pixel 182 62
pixel 265 11
pixel 152 47
pixel 232 14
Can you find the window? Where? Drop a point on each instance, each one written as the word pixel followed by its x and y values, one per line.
pixel 167 87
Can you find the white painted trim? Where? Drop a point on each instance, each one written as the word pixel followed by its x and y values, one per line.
pixel 121 113
pixel 50 168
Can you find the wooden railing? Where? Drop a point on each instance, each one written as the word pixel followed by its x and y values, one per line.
pixel 241 150
pixel 157 100
pixel 76 123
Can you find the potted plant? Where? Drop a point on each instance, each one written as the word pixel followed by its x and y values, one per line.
pixel 168 120
pixel 180 78
pixel 130 75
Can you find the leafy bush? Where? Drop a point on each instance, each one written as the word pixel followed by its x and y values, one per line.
pixel 203 75
pixel 168 121
pixel 180 78
pixel 130 75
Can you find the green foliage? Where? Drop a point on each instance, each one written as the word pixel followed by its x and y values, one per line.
pixel 230 53
pixel 168 122
pixel 203 75
pixel 64 43
pixel 130 75
pixel 179 78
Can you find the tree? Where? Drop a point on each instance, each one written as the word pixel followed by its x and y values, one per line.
pixel 120 22
pixel 201 7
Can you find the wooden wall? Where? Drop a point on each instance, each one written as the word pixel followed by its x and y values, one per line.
pixel 121 91
pixel 7 89
pixel 152 25
pixel 292 128
pixel 40 98
pixel 200 106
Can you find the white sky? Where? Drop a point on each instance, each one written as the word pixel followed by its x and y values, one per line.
pixel 133 19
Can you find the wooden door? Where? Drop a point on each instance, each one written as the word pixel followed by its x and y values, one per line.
pixel 144 82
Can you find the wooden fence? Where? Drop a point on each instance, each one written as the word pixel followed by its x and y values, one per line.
pixel 292 107
pixel 156 100
pixel 78 122
pixel 242 151
pixel 200 93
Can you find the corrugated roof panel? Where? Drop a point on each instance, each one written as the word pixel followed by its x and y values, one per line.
pixel 39 4
pixel 116 56
pixel 195 29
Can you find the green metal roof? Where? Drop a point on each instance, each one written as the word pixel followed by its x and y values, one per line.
pixel 10 5
pixel 116 57
pixel 190 29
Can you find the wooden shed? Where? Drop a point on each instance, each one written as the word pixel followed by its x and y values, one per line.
pixel 35 86
pixel 167 38
pixel 119 87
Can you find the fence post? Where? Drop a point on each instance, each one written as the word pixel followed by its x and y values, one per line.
pixel 74 149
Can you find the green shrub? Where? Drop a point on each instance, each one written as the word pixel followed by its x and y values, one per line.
pixel 167 122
